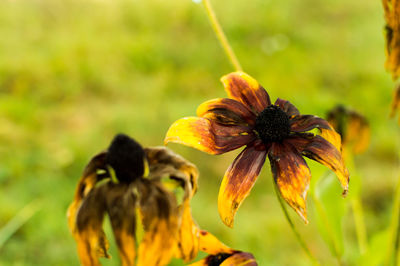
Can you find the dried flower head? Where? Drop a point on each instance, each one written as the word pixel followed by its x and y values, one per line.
pixel 115 183
pixel 392 36
pixel 248 118
pixel 352 127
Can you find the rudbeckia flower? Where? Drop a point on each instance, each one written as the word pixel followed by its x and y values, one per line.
pixel 352 127
pixel 392 35
pixel 248 118
pixel 132 186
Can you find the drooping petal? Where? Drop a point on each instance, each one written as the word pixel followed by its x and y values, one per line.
pixel 238 181
pixel 303 123
pixel 245 89
pixel 322 151
pixel 208 136
pixel 291 174
pixel 160 223
pixel 332 137
pixel 287 107
pixel 89 234
pixel 211 245
pixel 226 111
pixel 121 208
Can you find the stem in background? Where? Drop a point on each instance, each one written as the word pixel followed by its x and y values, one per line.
pixel 293 227
pixel 394 228
pixel 221 36
pixel 324 217
pixel 360 225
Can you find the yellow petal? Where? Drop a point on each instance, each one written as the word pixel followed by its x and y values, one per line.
pixel 245 89
pixel 211 245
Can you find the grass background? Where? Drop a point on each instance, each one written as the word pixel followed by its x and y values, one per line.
pixel 74 73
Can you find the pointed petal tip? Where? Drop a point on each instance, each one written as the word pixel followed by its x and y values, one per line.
pixel 303 214
pixel 345 191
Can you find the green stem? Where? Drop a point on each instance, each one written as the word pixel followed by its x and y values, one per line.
pixel 328 226
pixel 360 225
pixel 294 229
pixel 221 36
pixel 394 227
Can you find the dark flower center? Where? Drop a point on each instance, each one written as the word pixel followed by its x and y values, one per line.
pixel 126 157
pixel 216 260
pixel 272 124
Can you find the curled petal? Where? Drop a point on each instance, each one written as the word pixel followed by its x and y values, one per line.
pixel 245 89
pixel 160 223
pixel 238 181
pixel 303 123
pixel 208 136
pixel 211 245
pixel 287 107
pixel 332 137
pixel 292 176
pixel 322 151
pixel 226 111
pixel 121 208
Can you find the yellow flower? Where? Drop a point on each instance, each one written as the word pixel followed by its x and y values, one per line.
pixel 392 34
pixel 352 127
pixel 115 183
pixel 248 118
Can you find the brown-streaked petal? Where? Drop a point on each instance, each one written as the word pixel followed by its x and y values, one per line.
pixel 287 107
pixel 322 151
pixel 160 223
pixel 303 123
pixel 238 181
pixel 245 89
pixel 188 235
pixel 291 174
pixel 121 208
pixel 89 234
pixel 208 136
pixel 211 245
pixel 332 137
pixel 226 111
pixel 235 258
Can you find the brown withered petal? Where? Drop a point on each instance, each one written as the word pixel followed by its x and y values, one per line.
pixel 392 17
pixel 160 222
pixel 291 174
pixel 322 151
pixel 235 258
pixel 286 106
pixel 238 181
pixel 303 123
pixel 245 89
pixel 358 133
pixel 208 136
pixel 121 208
pixel 89 233
pixel 226 111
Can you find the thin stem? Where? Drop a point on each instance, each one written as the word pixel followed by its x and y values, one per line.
pixel 360 225
pixel 221 36
pixel 328 226
pixel 294 229
pixel 394 227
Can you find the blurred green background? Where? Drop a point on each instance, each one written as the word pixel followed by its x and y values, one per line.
pixel 74 73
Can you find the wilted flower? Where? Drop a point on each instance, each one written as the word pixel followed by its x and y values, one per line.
pixel 392 35
pixel 150 186
pixel 115 183
pixel 352 127
pixel 247 118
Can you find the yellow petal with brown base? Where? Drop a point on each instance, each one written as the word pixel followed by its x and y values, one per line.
pixel 238 181
pixel 245 89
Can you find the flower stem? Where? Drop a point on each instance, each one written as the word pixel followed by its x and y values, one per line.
pixel 294 229
pixel 394 228
pixel 221 36
pixel 360 225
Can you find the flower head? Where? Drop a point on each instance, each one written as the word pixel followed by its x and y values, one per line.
pixel 127 182
pixel 248 118
pixel 352 127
